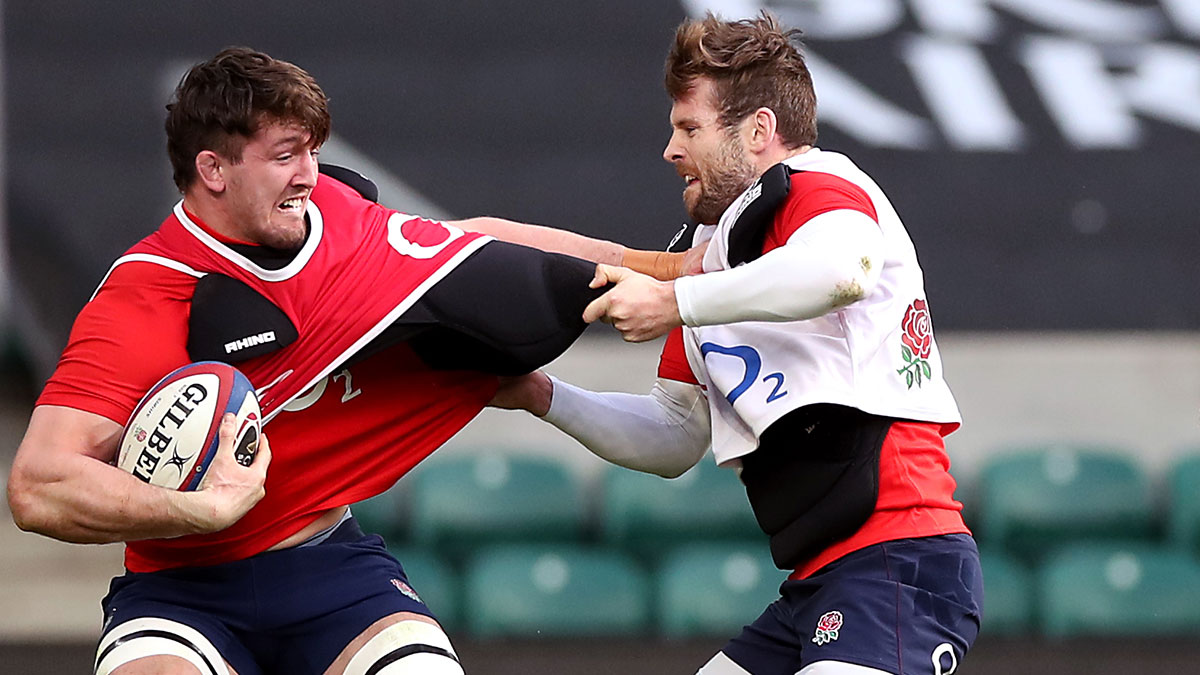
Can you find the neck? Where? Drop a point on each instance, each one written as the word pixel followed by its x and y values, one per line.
pixel 779 154
pixel 208 209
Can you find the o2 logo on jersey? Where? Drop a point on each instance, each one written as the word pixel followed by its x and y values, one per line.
pixel 418 237
pixel 315 392
pixel 752 368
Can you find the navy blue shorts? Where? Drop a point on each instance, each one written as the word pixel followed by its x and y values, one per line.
pixel 287 611
pixel 900 607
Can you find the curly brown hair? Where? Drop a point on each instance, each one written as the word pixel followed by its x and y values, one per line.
pixel 220 103
pixel 753 63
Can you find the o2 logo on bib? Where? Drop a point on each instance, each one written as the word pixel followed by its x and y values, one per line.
pixel 418 237
pixel 752 368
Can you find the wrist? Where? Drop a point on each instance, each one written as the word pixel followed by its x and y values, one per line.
pixel 543 394
pixel 658 264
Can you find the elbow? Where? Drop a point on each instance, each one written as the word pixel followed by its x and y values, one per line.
pixel 690 454
pixel 23 503
pixel 671 471
pixel 857 280
pixel 847 292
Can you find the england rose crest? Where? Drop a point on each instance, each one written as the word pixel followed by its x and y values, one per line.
pixel 827 627
pixel 917 339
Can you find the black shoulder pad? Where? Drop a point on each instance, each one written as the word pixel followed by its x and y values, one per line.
pixel 232 322
pixel 750 229
pixel 360 183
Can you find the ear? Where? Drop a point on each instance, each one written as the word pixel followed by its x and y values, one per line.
pixel 760 130
pixel 209 169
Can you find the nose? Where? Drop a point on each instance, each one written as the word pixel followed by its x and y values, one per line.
pixel 306 172
pixel 674 151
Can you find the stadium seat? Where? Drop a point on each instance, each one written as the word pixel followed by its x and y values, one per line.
pixel 1183 515
pixel 713 590
pixel 463 503
pixel 1112 590
pixel 383 514
pixel 555 591
pixel 434 581
pixel 1009 590
pixel 1033 500
pixel 647 514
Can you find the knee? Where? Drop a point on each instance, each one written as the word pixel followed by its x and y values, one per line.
pixel 158 646
pixel 406 648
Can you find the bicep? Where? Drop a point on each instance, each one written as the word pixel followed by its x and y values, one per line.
pixel 58 436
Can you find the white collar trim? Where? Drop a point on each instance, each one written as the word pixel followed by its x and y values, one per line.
pixel 316 226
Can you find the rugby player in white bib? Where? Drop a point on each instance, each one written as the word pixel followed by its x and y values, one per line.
pixel 804 355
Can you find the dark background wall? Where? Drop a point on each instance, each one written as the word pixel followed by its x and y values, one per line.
pixel 1043 154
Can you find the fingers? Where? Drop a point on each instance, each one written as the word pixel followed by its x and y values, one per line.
pixel 598 308
pixel 263 458
pixel 607 274
pixel 227 430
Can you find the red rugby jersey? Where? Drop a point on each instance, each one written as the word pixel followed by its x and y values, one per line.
pixel 354 432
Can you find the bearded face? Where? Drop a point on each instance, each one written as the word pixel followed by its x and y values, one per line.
pixel 710 156
pixel 719 178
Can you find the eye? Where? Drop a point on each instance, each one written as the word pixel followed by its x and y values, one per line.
pixel 691 130
pixel 287 156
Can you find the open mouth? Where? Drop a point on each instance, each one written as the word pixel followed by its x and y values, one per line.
pixel 293 205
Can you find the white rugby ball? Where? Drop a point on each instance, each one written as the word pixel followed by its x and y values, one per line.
pixel 171 438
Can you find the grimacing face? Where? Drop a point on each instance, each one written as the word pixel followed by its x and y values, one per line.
pixel 710 157
pixel 268 190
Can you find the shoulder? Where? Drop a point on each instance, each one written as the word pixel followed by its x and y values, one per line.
pixel 815 192
pixel 143 276
pixel 131 333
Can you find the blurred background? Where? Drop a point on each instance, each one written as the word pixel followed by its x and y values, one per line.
pixel 1044 155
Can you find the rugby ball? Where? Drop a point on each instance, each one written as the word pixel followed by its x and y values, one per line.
pixel 171 438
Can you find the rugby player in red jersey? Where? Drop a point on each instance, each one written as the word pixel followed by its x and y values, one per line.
pixel 372 336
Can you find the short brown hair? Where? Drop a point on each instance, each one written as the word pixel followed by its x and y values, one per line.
pixel 221 103
pixel 753 64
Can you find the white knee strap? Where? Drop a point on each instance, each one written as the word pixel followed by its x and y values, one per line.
pixel 151 636
pixel 722 665
pixel 406 648
pixel 838 668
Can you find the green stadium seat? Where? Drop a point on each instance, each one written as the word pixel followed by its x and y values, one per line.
pixel 713 590
pixel 555 591
pixel 1183 515
pixel 647 514
pixel 462 503
pixel 434 581
pixel 1009 591
pixel 1120 591
pixel 383 514
pixel 1033 500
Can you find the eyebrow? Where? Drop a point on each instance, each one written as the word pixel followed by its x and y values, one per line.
pixel 292 139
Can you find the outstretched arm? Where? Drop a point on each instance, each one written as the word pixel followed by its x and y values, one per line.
pixel 834 260
pixel 664 432
pixel 657 264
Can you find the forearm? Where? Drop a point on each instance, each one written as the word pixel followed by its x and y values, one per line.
pixel 63 486
pixel 665 432
pixel 657 264
pixel 832 261
pixel 87 501
pixel 546 238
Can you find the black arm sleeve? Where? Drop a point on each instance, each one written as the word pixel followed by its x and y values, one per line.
pixel 507 310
